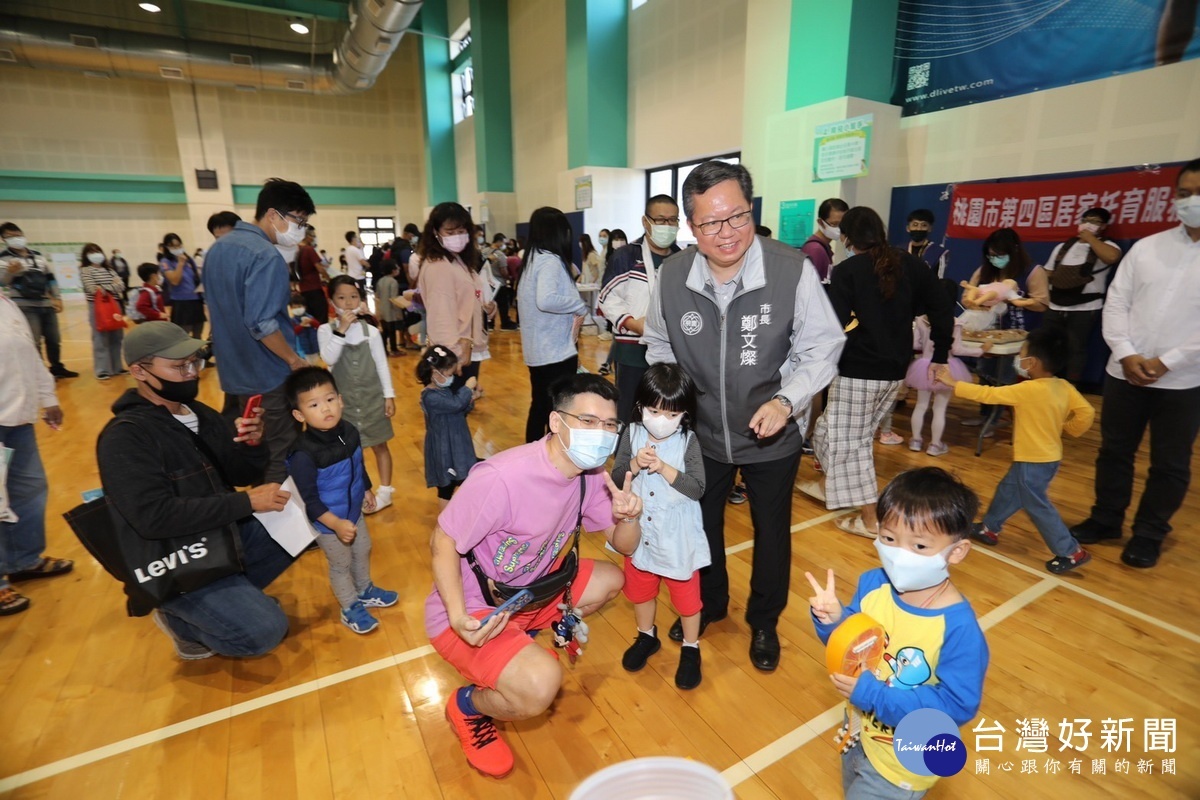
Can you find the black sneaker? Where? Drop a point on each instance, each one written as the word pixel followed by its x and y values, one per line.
pixel 982 533
pixel 1142 552
pixel 676 632
pixel 644 646
pixel 1060 564
pixel 737 495
pixel 1090 532
pixel 62 372
pixel 687 676
pixel 807 447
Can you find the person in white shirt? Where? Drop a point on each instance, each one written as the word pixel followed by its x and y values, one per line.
pixel 356 261
pixel 26 394
pixel 1079 270
pixel 1151 324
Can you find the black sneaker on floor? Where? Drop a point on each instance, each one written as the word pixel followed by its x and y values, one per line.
pixel 63 372
pixel 687 676
pixel 1060 564
pixel 982 533
pixel 807 447
pixel 1142 552
pixel 644 646
pixel 737 495
pixel 1091 532
pixel 676 632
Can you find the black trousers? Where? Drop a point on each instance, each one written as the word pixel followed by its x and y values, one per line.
pixel 540 403
pixel 1078 326
pixel 280 428
pixel 1173 416
pixel 628 379
pixel 769 487
pixel 504 298
pixel 316 304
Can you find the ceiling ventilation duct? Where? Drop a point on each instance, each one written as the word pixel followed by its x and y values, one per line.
pixel 376 27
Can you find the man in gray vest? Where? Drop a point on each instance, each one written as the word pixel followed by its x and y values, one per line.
pixel 748 319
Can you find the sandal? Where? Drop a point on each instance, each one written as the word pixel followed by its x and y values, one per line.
pixel 46 568
pixel 854 525
pixel 11 602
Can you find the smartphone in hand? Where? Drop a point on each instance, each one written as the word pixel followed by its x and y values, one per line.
pixel 512 605
pixel 248 413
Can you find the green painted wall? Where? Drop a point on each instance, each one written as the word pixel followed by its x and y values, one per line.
pixel 493 96
pixel 597 83
pixel 441 181
pixel 838 49
pixel 79 187
pixel 247 195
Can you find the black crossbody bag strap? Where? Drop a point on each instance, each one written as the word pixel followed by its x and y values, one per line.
pixel 488 586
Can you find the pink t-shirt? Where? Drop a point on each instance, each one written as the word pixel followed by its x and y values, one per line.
pixel 517 511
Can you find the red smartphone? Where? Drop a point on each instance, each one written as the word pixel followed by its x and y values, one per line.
pixel 248 413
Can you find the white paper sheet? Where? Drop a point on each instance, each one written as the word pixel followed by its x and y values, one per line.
pixel 290 527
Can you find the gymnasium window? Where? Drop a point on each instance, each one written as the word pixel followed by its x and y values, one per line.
pixel 462 79
pixel 376 231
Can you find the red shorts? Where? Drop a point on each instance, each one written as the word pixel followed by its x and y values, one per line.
pixel 482 665
pixel 642 586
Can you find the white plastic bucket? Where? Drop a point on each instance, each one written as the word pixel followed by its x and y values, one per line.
pixel 659 778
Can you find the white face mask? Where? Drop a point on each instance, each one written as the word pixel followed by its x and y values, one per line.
pixel 296 311
pixel 663 235
pixel 911 572
pixel 618 244
pixel 293 236
pixel 1090 227
pixel 660 426
pixel 1187 209
pixel 455 243
pixel 589 448
pixel 16 242
pixel 830 231
pixel 288 252
pixel 96 258
pixel 177 251
pixel 1024 373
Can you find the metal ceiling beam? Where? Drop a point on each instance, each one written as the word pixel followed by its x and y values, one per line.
pixel 337 10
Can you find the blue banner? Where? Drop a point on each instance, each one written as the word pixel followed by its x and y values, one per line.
pixel 952 53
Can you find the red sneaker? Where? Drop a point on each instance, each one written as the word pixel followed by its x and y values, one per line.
pixel 480 740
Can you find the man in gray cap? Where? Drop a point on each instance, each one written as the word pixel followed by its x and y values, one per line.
pixel 168 464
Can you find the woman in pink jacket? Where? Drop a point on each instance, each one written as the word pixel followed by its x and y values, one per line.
pixel 449 287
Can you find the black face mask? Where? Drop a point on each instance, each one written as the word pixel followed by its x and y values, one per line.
pixel 918 236
pixel 177 391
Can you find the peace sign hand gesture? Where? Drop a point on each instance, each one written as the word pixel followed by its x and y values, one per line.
pixel 625 504
pixel 825 605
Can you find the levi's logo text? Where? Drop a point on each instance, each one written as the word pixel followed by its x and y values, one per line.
pixel 160 567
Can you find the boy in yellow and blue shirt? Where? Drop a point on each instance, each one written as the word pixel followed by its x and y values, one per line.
pixel 935 655
pixel 1043 407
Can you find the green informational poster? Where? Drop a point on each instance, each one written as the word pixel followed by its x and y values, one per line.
pixel 796 221
pixel 842 149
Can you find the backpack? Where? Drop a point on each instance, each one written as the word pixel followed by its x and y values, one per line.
pixel 32 284
pixel 133 313
pixel 1067 280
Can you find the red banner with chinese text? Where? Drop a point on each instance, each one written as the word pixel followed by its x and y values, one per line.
pixel 1048 211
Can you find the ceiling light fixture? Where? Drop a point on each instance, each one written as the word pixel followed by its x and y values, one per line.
pixel 298 26
pixel 151 7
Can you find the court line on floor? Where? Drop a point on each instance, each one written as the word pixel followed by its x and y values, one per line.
pixel 236 710
pixel 792 741
pixel 185 726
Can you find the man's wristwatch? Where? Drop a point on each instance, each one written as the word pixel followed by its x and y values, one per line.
pixel 786 403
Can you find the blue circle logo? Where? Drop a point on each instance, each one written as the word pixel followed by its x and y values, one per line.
pixel 927 743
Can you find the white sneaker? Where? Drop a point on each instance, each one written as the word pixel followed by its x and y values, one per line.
pixel 383 498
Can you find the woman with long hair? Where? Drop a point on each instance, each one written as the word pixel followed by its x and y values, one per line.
pixel 181 286
pixel 449 286
pixel 592 269
pixel 97 274
pixel 884 289
pixel 1004 258
pixel 552 312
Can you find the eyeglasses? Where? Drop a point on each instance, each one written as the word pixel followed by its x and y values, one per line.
pixel 188 369
pixel 290 216
pixel 588 421
pixel 664 220
pixel 713 227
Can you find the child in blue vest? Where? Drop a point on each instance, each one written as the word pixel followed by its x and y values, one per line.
pixel 327 465
pixel 664 457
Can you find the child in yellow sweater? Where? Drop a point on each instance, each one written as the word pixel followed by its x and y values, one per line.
pixel 1043 407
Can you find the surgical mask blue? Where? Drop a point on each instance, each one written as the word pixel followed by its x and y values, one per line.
pixel 911 572
pixel 999 262
pixel 589 448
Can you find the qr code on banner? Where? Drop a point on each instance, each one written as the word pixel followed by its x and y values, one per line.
pixel 918 76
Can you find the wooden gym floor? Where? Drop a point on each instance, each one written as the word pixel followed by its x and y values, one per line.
pixel 97 706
